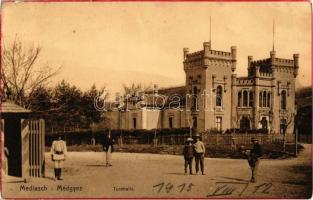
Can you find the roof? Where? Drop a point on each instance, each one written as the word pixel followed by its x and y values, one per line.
pixel 165 96
pixel 180 90
pixel 10 107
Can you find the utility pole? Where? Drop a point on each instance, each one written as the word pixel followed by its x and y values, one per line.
pixel 295 130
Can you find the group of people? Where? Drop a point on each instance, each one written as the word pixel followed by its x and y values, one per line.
pixel 197 150
pixel 59 151
pixel 192 149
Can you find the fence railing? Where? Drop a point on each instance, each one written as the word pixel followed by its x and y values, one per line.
pixel 244 139
pixel 208 139
pixel 214 139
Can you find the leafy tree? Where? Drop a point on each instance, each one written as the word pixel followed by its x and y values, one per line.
pixel 69 99
pixel 89 98
pixel 41 100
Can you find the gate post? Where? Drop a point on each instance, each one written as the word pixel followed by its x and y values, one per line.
pixel 25 149
pixel 42 133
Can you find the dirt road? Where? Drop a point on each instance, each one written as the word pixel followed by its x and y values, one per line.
pixel 151 175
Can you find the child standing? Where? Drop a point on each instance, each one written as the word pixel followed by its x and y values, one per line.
pixel 188 154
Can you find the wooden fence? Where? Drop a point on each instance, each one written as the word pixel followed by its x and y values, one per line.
pixel 36 147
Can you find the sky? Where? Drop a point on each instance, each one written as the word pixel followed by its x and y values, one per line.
pixel 114 43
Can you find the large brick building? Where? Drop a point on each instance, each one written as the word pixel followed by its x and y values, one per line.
pixel 213 97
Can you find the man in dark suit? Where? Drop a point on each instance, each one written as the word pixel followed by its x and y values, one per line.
pixel 107 145
pixel 189 151
pixel 254 158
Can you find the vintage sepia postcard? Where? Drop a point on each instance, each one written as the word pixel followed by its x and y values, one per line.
pixel 156 99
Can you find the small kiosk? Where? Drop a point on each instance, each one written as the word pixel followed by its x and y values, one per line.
pixel 22 142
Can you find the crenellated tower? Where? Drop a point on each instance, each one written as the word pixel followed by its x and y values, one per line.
pixel 208 84
pixel 273 88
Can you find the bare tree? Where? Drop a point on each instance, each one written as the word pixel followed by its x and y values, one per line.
pixel 135 89
pixel 20 75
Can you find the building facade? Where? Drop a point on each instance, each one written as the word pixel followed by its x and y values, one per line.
pixel 213 97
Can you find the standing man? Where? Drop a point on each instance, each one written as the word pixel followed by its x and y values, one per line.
pixel 254 158
pixel 189 150
pixel 58 154
pixel 108 148
pixel 199 154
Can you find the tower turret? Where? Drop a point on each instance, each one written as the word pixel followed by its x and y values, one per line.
pixel 186 51
pixel 250 58
pixel 296 64
pixel 206 48
pixel 234 57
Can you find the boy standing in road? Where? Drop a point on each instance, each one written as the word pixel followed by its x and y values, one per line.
pixel 58 153
pixel 188 154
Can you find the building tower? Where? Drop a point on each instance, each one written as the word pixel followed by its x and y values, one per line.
pixel 208 85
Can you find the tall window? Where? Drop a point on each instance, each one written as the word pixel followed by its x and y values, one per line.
pixel 134 123
pixel 264 99
pixel 219 123
pixel 219 97
pixel 251 99
pixel 245 98
pixel 283 100
pixel 170 122
pixel 260 99
pixel 194 98
pixel 239 99
pixel 268 100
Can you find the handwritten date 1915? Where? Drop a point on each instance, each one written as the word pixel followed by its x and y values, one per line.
pixel 169 187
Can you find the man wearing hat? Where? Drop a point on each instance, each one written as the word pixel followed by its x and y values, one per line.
pixel 189 150
pixel 58 153
pixel 199 154
pixel 254 158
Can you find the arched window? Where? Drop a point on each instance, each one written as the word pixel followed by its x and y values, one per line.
pixel 260 99
pixel 283 100
pixel 264 99
pixel 219 97
pixel 268 100
pixel 239 99
pixel 251 99
pixel 245 98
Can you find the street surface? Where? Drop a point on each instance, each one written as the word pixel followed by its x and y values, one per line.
pixel 153 175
